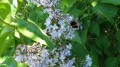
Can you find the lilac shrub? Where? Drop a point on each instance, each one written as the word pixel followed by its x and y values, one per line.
pixel 57 27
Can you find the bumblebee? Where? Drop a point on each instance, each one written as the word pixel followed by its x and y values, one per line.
pixel 75 25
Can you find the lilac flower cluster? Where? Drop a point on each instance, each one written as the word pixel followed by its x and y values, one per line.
pixel 38 56
pixel 61 25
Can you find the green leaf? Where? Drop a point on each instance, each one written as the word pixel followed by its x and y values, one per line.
pixel 14 5
pixel 106 10
pixel 84 37
pixel 94 56
pixel 4 34
pixel 9 62
pixel 6 45
pixel 98 42
pixel 34 16
pixel 20 4
pixel 96 49
pixel 11 50
pixel 67 4
pixel 38 15
pixel 74 12
pixel 6 29
pixel 25 40
pixel 3 37
pixel 112 62
pixel 22 65
pixel 118 40
pixel 105 42
pixel 115 2
pixel 78 50
pixel 95 29
pixel 3 65
pixel 102 42
pixel 4 10
pixel 77 38
pixel 6 39
pixel 118 36
pixel 32 31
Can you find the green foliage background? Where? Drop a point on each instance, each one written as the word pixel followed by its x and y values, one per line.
pixel 100 36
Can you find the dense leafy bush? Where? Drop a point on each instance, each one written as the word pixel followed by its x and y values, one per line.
pixel 48 23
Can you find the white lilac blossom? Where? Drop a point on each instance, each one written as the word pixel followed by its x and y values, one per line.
pixel 38 56
pixel 61 27
pixel 88 61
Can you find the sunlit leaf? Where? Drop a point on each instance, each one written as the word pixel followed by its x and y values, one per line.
pixel 14 6
pixel 3 37
pixel 5 11
pixel 21 65
pixel 32 31
pixel 6 29
pixel 6 45
pixel 10 62
pixel 6 39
